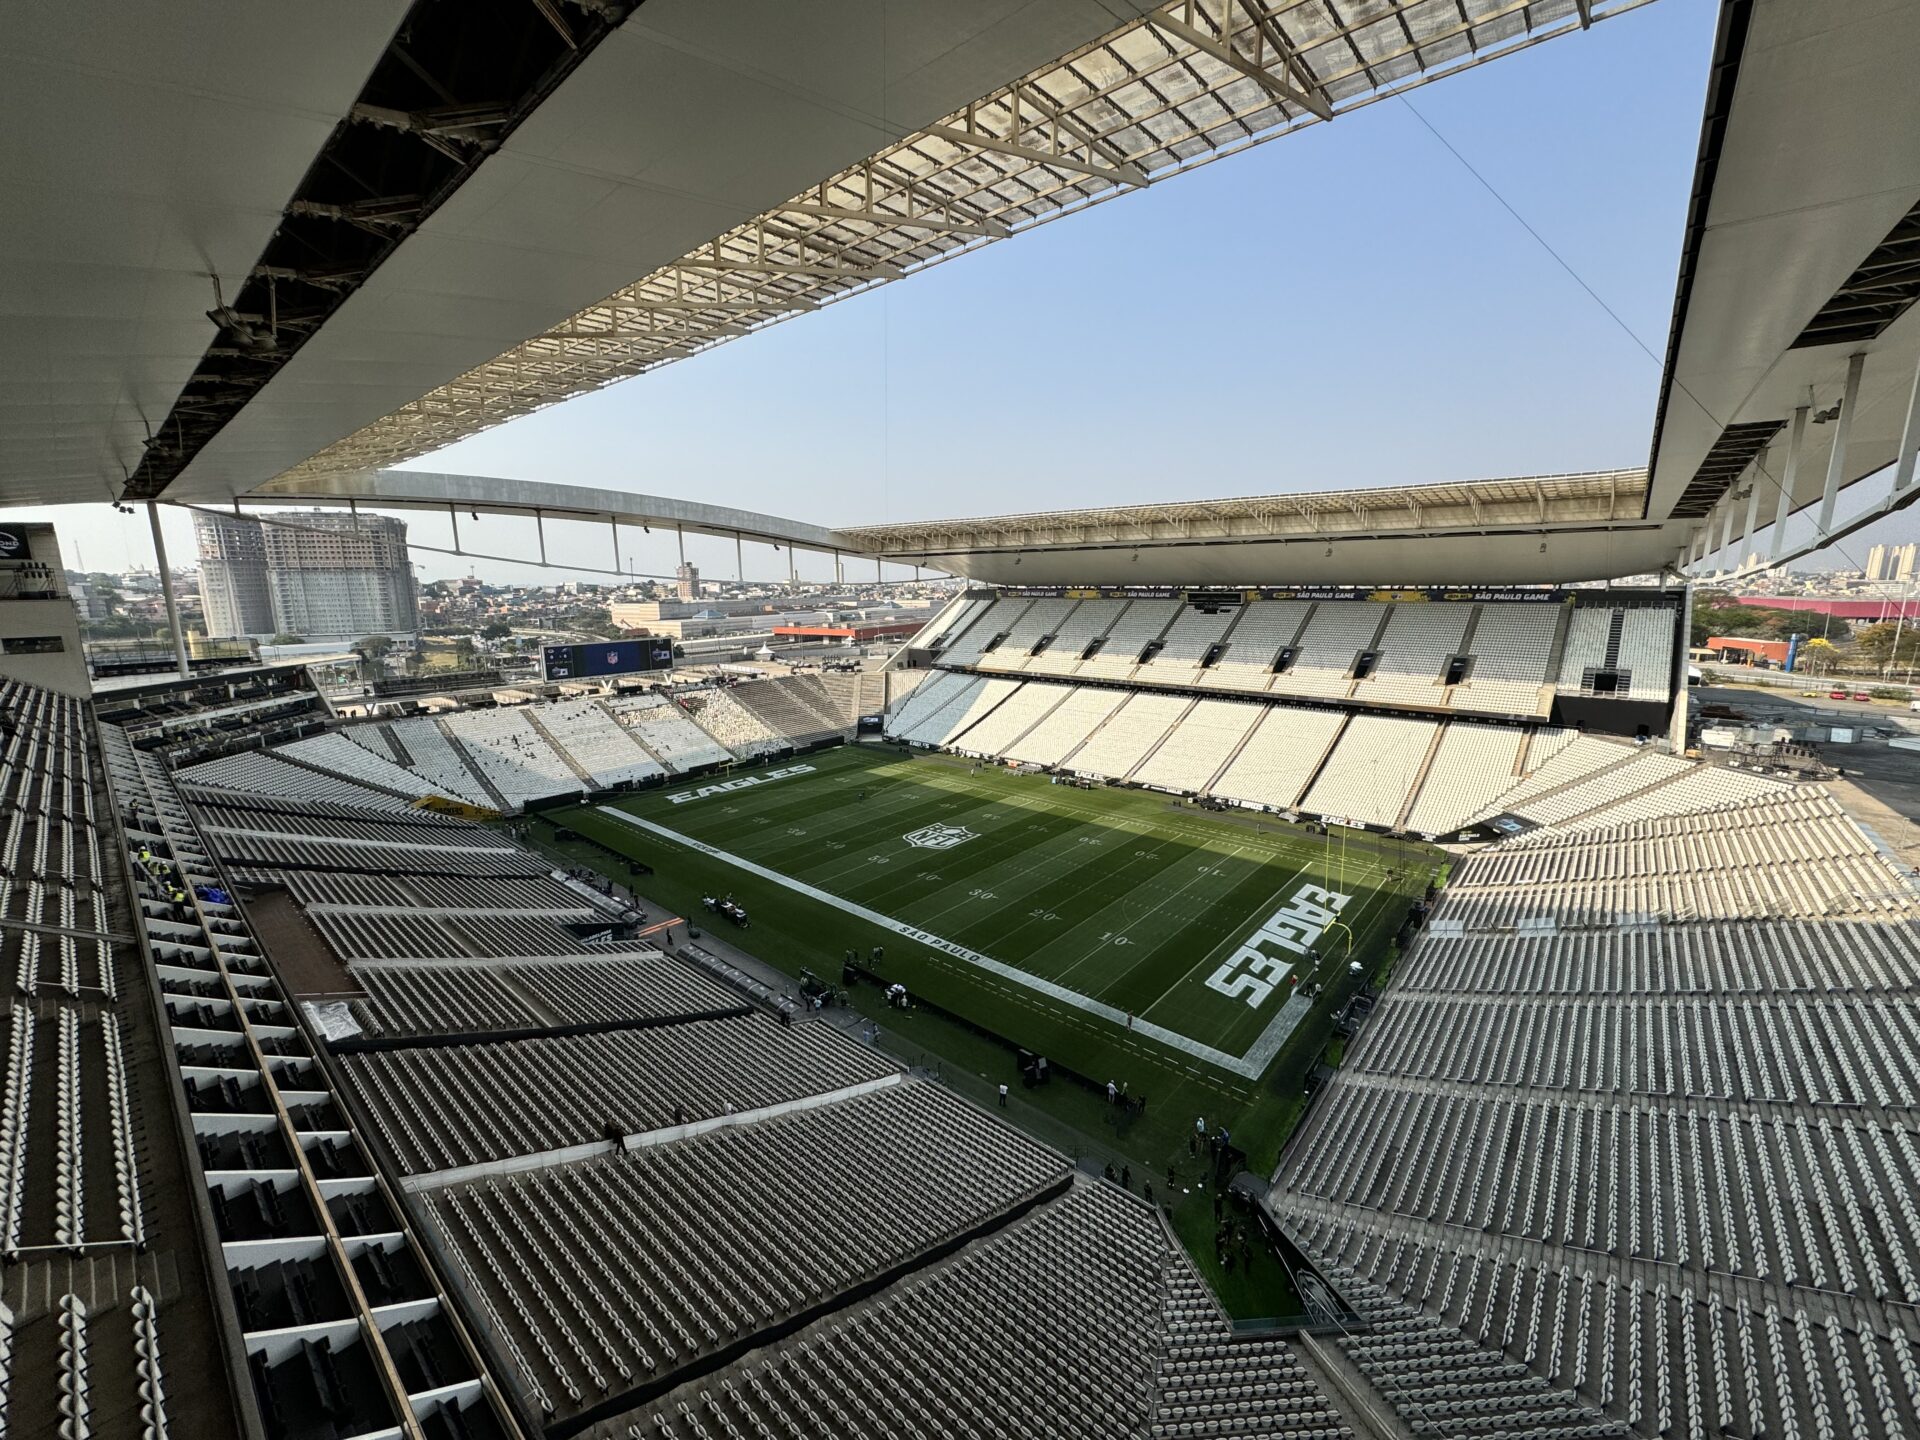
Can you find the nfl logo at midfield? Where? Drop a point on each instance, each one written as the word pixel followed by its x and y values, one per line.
pixel 938 836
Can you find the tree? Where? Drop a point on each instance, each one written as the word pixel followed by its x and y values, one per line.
pixel 498 630
pixel 1720 615
pixel 1876 643
pixel 373 646
pixel 283 638
pixel 1819 655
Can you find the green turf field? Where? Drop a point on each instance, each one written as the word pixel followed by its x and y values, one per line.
pixel 1120 913
pixel 1088 904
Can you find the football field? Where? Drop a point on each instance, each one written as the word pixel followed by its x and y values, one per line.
pixel 1107 911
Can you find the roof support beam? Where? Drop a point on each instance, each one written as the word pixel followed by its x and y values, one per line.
pixel 1122 174
pixel 1271 34
pixel 1842 430
pixel 1585 7
pixel 782 267
pixel 1315 105
pixel 701 307
pixel 1753 509
pixel 1796 444
pixel 572 331
pixel 986 229
pixel 1909 437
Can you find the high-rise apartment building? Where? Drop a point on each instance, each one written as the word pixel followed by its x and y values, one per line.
pixel 1893 562
pixel 688 577
pixel 233 575
pixel 318 574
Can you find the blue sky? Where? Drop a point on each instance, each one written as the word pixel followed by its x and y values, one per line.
pixel 1344 306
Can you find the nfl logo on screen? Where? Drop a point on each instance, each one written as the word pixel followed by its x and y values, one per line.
pixel 938 837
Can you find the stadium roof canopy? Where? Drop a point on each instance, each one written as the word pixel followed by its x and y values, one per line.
pixel 1574 527
pixel 1799 268
pixel 423 226
pixel 465 219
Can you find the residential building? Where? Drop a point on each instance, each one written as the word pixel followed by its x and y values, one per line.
pixel 233 575
pixel 317 574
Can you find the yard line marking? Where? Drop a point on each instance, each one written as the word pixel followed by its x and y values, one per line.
pixel 1168 898
pixel 1250 1068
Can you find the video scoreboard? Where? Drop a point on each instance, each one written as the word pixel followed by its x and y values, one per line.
pixel 607 657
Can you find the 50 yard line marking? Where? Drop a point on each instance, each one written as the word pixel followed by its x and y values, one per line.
pixel 1139 919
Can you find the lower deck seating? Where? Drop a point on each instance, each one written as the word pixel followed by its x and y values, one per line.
pixel 1373 769
pixel 432 756
pixel 514 756
pixel 967 708
pixel 595 742
pixel 1622 1150
pixel 461 1105
pixel 1273 767
pixel 800 708
pixel 1128 735
pixel 339 754
pixel 1066 727
pixel 1010 720
pixel 934 692
pixel 1471 760
pixel 1077 1320
pixel 734 725
pixel 653 1257
pixel 665 730
pixel 1199 745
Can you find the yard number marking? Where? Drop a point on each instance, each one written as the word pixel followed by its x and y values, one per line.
pixel 1254 974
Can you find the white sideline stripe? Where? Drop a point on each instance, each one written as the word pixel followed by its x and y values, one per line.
pixel 1250 1066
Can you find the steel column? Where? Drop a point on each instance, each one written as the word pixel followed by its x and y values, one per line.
pixel 166 592
pixel 1909 437
pixel 1796 444
pixel 1753 509
pixel 1842 428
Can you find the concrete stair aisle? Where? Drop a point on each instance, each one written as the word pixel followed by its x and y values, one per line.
pixel 1153 748
pixel 639 739
pixel 1556 656
pixel 1313 775
pixel 566 756
pixel 401 755
pixel 459 748
pixel 1232 755
pixel 1420 776
pixel 1370 1414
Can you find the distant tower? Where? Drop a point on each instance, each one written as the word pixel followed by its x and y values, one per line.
pixel 234 596
pixel 1877 563
pixel 689 578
